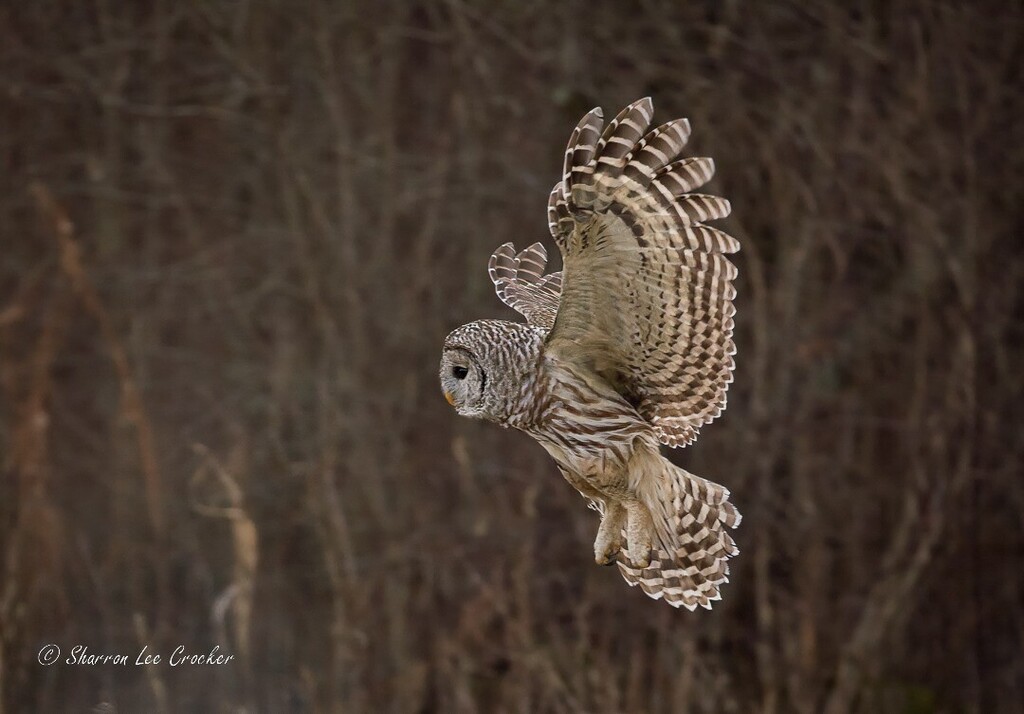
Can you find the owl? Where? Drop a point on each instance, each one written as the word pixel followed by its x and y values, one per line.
pixel 628 348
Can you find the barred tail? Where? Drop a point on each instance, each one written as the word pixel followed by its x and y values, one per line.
pixel 691 541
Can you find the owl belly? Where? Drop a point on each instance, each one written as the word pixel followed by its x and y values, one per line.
pixel 591 432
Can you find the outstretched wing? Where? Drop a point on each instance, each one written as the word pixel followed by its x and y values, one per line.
pixel 647 296
pixel 521 284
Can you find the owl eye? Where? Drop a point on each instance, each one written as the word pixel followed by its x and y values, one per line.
pixel 459 372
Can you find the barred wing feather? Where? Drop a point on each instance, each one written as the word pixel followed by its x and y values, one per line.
pixel 520 282
pixel 647 288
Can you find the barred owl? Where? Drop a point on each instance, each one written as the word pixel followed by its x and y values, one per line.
pixel 628 347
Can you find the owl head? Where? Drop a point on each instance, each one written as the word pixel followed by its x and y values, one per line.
pixel 485 367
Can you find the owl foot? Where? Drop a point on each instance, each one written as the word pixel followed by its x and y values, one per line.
pixel 608 543
pixel 640 561
pixel 639 532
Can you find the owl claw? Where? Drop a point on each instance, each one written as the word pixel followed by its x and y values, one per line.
pixel 608 544
pixel 639 532
pixel 643 561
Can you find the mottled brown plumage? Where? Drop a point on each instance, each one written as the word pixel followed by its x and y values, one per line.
pixel 629 347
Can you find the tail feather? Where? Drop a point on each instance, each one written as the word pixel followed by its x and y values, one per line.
pixel 692 544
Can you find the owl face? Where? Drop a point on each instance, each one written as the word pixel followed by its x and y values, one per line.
pixel 463 381
pixel 487 366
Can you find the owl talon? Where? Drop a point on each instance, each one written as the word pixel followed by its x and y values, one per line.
pixel 608 544
pixel 608 552
pixel 639 532
pixel 642 562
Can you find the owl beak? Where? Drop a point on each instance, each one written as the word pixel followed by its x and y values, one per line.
pixel 448 396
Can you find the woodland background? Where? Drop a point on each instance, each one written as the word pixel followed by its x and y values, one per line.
pixel 233 235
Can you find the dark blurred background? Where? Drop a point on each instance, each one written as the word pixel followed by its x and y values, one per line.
pixel 234 235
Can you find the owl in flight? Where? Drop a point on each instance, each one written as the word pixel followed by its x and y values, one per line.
pixel 628 347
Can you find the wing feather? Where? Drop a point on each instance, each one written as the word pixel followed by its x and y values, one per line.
pixel 520 282
pixel 647 295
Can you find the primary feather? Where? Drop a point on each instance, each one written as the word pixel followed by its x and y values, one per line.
pixel 647 297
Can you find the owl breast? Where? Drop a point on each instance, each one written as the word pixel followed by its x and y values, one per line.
pixel 586 426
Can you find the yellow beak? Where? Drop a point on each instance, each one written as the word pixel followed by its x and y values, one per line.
pixel 450 398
